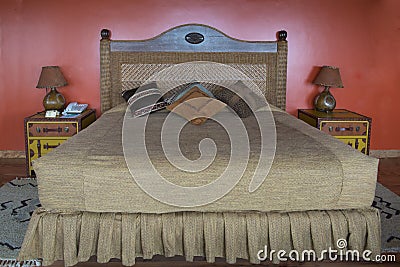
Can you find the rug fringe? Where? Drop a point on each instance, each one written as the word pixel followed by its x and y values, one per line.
pixel 15 263
pixel 25 178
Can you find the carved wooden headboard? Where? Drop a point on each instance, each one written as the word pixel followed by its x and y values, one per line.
pixel 125 64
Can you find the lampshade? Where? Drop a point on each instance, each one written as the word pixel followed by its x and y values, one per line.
pixel 51 77
pixel 329 76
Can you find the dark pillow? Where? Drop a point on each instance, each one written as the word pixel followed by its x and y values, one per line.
pixel 144 99
pixel 236 102
pixel 128 93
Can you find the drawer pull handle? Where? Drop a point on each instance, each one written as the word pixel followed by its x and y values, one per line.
pixel 47 146
pixel 46 130
pixel 66 129
pixel 342 129
pixel 357 128
pixel 38 129
pixel 39 148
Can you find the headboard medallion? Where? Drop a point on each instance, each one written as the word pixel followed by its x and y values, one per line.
pixel 194 38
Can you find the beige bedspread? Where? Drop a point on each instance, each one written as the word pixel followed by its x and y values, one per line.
pixel 311 170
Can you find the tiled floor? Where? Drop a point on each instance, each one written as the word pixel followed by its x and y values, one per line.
pixel 389 174
pixel 11 168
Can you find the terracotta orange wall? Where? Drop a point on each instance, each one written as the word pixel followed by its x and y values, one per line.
pixel 359 36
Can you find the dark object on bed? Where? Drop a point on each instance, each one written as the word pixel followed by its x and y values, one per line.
pixel 144 99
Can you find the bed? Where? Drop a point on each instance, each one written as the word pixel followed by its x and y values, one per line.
pixel 317 190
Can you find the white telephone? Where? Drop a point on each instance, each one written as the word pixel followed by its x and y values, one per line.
pixel 75 108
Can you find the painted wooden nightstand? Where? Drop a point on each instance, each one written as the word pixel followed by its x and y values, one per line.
pixel 44 134
pixel 351 128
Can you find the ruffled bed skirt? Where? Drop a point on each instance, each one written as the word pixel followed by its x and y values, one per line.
pixel 75 237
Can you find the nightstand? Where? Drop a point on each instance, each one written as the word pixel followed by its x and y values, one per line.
pixel 44 134
pixel 349 127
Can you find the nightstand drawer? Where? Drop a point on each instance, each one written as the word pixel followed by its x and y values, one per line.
pixel 40 147
pixel 349 127
pixel 39 129
pixel 345 128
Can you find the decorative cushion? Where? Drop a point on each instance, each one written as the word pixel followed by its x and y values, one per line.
pixel 237 98
pixel 196 104
pixel 144 99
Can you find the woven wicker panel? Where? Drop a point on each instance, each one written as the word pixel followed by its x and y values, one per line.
pixel 134 75
pixel 281 68
pixel 131 69
pixel 105 75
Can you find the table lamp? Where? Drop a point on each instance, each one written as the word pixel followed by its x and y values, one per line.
pixel 328 76
pixel 51 77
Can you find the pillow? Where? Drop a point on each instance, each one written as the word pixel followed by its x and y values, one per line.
pixel 196 104
pixel 144 99
pixel 234 101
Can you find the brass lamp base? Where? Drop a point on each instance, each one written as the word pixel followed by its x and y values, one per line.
pixel 53 100
pixel 325 101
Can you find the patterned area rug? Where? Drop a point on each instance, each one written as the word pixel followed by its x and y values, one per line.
pixel 389 205
pixel 19 198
